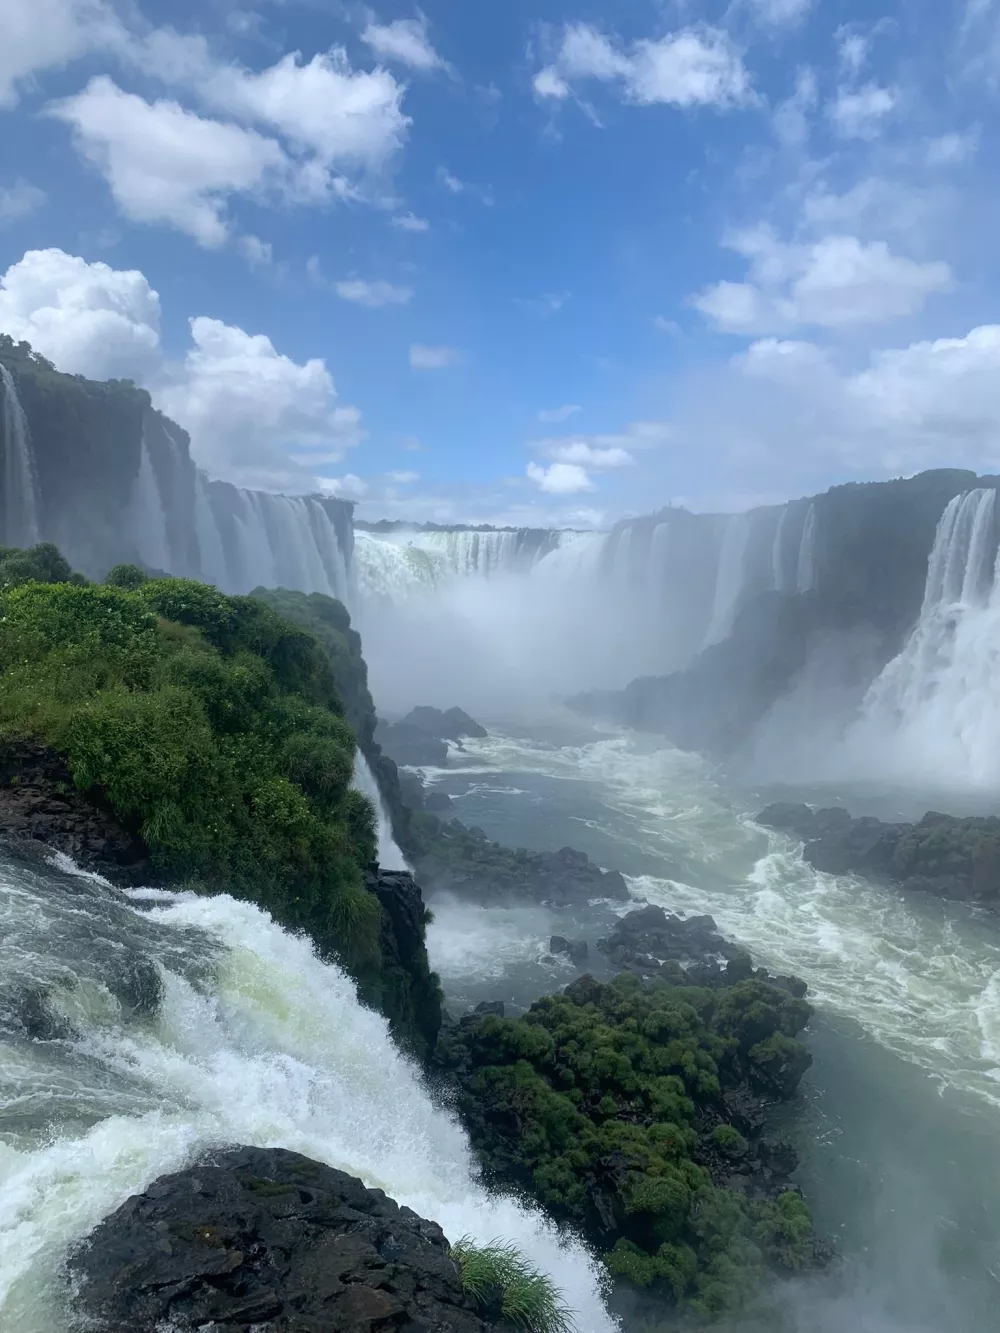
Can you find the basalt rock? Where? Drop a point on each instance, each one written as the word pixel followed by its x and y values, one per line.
pixel 411 995
pixel 453 725
pixel 943 855
pixel 575 950
pixel 411 746
pixel 254 1239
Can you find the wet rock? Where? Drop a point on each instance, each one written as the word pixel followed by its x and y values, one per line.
pixel 438 802
pixel 575 950
pixel 411 746
pixel 252 1239
pixel 135 982
pixel 453 725
pixel 491 1007
pixel 414 1012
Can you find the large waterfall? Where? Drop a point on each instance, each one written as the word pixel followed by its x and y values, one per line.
pixel 254 1041
pixel 933 715
pixel 19 507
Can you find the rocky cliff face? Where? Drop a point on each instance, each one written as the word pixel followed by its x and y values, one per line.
pixel 255 1238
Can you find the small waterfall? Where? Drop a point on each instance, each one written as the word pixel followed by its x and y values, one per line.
pixel 389 855
pixel 212 556
pixel 805 577
pixel 730 578
pixel 20 494
pixel 148 521
pixel 778 552
pixel 934 712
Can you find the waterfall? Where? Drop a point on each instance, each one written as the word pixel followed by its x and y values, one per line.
pixel 730 577
pixel 211 553
pixel 148 521
pixel 778 551
pixel 934 712
pixel 659 555
pixel 20 497
pixel 331 556
pixel 387 570
pixel 256 1041
pixel 805 577
pixel 389 855
pixel 253 546
pixel 621 556
pixel 468 553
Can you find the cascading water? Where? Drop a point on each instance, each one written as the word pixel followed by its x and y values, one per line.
pixel 389 855
pixel 253 1040
pixel 805 575
pixel 730 577
pixel 933 715
pixel 778 552
pixel 147 520
pixel 20 499
pixel 254 558
pixel 212 556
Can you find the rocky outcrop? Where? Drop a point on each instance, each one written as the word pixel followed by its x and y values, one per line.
pixel 941 854
pixel 411 994
pixel 411 746
pixel 575 950
pixel 451 725
pixel 450 858
pixel 252 1239
pixel 39 804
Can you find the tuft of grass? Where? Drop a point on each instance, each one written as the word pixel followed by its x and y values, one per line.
pixel 500 1279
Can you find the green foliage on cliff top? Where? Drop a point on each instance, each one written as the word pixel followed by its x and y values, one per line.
pixel 605 1103
pixel 214 730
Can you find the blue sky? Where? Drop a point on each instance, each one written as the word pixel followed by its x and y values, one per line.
pixel 534 263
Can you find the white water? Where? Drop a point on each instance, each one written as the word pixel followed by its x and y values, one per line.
pixel 805 576
pixel 20 499
pixel 730 578
pixel 389 855
pixel 211 553
pixel 933 715
pixel 778 551
pixel 147 519
pixel 269 1048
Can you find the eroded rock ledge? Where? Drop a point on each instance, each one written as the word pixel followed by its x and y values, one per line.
pixel 254 1239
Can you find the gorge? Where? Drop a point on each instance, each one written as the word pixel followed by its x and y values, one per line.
pixel 838 649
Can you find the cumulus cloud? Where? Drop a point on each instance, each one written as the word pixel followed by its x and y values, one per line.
pixel 19 200
pixel 167 165
pixel 374 295
pixel 423 357
pixel 780 13
pixel 559 478
pixel 556 414
pixel 403 478
pixel 696 66
pixel 347 487
pixel 589 455
pixel 48 34
pixel 791 117
pixel 249 408
pixel 88 319
pixel 405 41
pixel 836 282
pixel 859 113
pixel 949 150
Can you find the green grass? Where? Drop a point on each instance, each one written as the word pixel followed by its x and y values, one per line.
pixel 502 1282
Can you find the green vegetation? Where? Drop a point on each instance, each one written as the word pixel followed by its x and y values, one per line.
pixel 505 1286
pixel 214 730
pixel 606 1104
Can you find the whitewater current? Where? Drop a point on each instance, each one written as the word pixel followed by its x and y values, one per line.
pixel 255 1041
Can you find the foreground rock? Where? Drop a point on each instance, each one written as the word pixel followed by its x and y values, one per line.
pixel 942 854
pixel 450 858
pixel 258 1239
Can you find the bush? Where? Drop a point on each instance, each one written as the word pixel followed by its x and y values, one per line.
pixel 126 576
pixel 505 1287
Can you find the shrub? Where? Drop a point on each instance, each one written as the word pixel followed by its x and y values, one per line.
pixel 504 1285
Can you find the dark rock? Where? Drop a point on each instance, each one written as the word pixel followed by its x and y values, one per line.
pixel 453 725
pixel 254 1238
pixel 944 855
pixel 576 950
pixel 411 995
pixel 491 1007
pixel 411 746
pixel 438 802
pixel 39 803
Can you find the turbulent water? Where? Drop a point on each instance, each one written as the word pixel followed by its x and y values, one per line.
pixel 255 1041
pixel 899 1124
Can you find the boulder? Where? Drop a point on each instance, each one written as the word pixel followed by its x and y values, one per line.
pixel 252 1239
pixel 411 746
pixel 575 950
pixel 453 725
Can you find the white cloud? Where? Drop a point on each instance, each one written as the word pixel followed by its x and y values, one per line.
pixel 559 478
pixel 165 164
pixel 454 185
pixel 19 200
pixel 950 150
pixel 405 41
pixel 693 67
pixel 589 455
pixel 852 50
pixel 779 13
pixel 374 295
pixel 859 113
pixel 835 282
pixel 347 487
pixel 554 414
pixel 47 34
pixel 403 478
pixel 791 117
pixel 410 222
pixel 423 357
pixel 88 319
pixel 666 325
pixel 249 409
pixel 256 252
